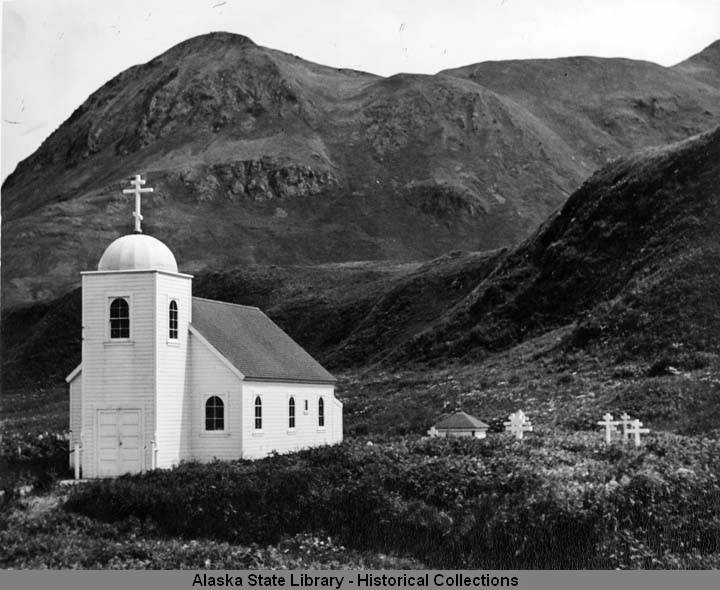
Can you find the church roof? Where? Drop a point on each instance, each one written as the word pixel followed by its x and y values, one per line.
pixel 253 343
pixel 461 420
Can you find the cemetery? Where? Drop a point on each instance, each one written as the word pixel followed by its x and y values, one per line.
pixel 611 495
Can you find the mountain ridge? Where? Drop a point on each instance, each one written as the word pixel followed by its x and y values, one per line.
pixel 621 272
pixel 260 157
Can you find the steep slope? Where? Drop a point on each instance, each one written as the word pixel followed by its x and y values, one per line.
pixel 344 314
pixel 602 108
pixel 626 267
pixel 704 66
pixel 261 157
pixel 631 257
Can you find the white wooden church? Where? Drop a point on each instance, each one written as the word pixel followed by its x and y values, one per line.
pixel 167 377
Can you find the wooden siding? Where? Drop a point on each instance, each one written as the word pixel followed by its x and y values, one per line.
pixel 462 432
pixel 172 433
pixel 209 376
pixel 168 382
pixel 75 415
pixel 276 434
pixel 117 374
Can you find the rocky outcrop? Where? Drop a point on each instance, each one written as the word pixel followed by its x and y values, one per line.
pixel 256 180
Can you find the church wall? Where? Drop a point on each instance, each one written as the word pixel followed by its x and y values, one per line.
pixel 117 374
pixel 75 414
pixel 462 432
pixel 171 428
pixel 211 377
pixel 276 434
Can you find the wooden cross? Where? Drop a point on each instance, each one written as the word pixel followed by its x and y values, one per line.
pixel 137 190
pixel 625 422
pixel 636 431
pixel 518 424
pixel 610 426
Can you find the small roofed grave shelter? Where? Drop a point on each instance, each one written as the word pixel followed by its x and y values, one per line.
pixel 167 377
pixel 460 424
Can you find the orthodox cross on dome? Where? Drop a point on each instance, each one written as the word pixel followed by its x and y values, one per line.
pixel 518 424
pixel 137 190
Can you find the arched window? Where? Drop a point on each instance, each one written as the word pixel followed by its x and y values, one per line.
pixel 291 413
pixel 119 318
pixel 214 414
pixel 321 412
pixel 258 413
pixel 173 320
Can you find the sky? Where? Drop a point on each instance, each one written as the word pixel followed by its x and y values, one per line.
pixel 55 53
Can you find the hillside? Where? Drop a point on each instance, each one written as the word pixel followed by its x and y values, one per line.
pixel 624 263
pixel 630 257
pixel 260 157
pixel 704 66
pixel 336 311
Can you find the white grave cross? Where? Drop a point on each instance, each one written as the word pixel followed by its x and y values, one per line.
pixel 625 422
pixel 518 424
pixel 610 426
pixel 137 190
pixel 636 431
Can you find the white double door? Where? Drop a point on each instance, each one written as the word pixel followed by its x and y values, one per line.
pixel 119 442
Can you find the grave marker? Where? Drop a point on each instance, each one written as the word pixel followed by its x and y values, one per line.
pixel 636 431
pixel 518 424
pixel 610 426
pixel 625 422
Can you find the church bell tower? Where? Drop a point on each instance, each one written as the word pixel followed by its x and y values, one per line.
pixel 136 309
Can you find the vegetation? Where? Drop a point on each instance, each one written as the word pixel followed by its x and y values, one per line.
pixel 553 501
pixel 35 534
pixel 608 307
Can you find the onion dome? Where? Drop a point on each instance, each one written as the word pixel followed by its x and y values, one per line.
pixel 138 252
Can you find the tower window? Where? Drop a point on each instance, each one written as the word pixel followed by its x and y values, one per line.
pixel 291 413
pixel 119 318
pixel 258 413
pixel 321 413
pixel 173 320
pixel 214 414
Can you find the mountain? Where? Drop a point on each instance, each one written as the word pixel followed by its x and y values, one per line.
pixel 704 66
pixel 630 260
pixel 260 157
pixel 625 268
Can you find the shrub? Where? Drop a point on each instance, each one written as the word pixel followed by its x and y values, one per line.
pixel 551 502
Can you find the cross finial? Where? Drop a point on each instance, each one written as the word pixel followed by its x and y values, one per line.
pixel 137 190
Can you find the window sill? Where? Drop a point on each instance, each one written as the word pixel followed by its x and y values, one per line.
pixel 258 433
pixel 173 342
pixel 291 431
pixel 119 342
pixel 213 434
pixel 322 429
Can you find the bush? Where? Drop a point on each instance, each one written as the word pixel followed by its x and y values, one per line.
pixel 551 502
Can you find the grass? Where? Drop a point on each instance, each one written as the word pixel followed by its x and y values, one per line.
pixel 563 392
pixel 556 500
pixel 37 534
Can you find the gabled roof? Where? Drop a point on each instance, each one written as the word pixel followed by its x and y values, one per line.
pixel 253 343
pixel 461 420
